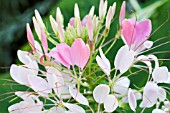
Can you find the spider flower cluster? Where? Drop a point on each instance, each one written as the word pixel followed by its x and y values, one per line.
pixel 67 78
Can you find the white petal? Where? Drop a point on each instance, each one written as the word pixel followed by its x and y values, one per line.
pixel 59 16
pixel 121 86
pixel 161 94
pixel 14 72
pixel 150 95
pixel 27 96
pixel 23 56
pixel 160 74
pixel 20 73
pixel 39 85
pixel 14 108
pixel 103 62
pixel 54 77
pixel 148 44
pixel 110 103
pixel 168 80
pixel 54 24
pixel 100 92
pixel 38 49
pixel 28 106
pixel 132 100
pixel 78 96
pixel 145 60
pixel 158 111
pixel 56 110
pixel 124 59
pixel 74 108
pixel 138 96
pixel 155 59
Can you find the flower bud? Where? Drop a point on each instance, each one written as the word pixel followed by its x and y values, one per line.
pixel 30 36
pixel 122 12
pixel 76 11
pixel 44 41
pixel 39 19
pixel 54 24
pixel 37 27
pixel 59 16
pixel 110 15
pixel 91 13
pixel 61 32
pixel 90 28
pixel 102 9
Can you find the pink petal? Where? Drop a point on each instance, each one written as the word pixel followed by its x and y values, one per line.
pixel 44 41
pixel 79 53
pixel 63 54
pixel 122 12
pixel 30 36
pixel 143 30
pixel 84 21
pixel 72 20
pixel 128 31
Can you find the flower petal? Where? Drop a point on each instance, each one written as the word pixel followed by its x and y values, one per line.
pixel 103 62
pixel 160 74
pixel 74 108
pixel 158 111
pixel 20 73
pixel 161 94
pixel 100 92
pixel 121 86
pixel 124 59
pixel 110 103
pixel 42 87
pixel 143 30
pixel 23 56
pixel 78 96
pixel 150 95
pixel 132 100
pixel 80 53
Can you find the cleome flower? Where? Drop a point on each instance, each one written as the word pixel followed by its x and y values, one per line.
pixel 69 70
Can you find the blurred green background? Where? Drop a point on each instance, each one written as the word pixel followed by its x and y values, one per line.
pixel 14 14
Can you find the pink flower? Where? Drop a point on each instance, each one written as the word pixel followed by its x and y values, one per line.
pixel 135 33
pixel 77 54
